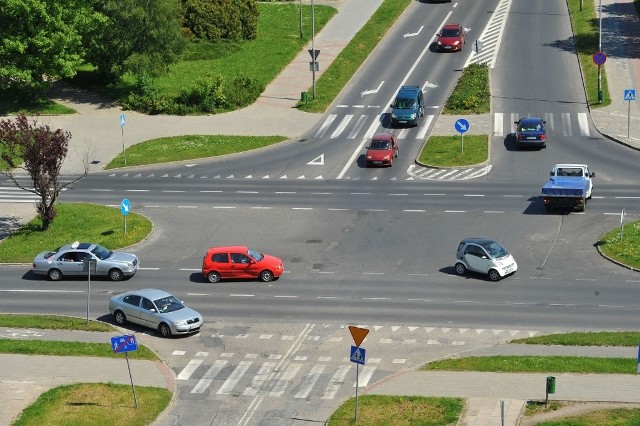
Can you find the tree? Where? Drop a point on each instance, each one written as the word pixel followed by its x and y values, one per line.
pixel 138 36
pixel 41 41
pixel 40 152
pixel 221 19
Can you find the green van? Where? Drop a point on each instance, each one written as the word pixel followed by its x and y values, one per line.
pixel 408 107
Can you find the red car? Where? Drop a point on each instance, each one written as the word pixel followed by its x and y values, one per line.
pixel 382 150
pixel 451 37
pixel 240 262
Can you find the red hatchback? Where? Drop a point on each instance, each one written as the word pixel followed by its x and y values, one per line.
pixel 240 262
pixel 382 150
pixel 451 37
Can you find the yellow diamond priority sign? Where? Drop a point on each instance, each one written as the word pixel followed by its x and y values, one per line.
pixel 358 334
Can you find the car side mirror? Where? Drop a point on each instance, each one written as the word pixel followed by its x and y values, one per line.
pixel 392 106
pixel 592 174
pixel 551 173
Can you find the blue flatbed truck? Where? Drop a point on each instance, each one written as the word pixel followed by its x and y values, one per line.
pixel 569 187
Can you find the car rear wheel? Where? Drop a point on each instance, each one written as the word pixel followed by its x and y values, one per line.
pixel 461 269
pixel 494 275
pixel 119 317
pixel 115 274
pixel 164 329
pixel 266 276
pixel 213 277
pixel 55 274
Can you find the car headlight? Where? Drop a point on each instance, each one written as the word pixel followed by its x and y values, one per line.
pixel 439 43
pixel 394 115
pixel 181 322
pixel 386 157
pixel 457 42
pixel 129 265
pixel 368 157
pixel 413 116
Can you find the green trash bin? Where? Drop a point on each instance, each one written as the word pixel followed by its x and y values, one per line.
pixel 304 97
pixel 551 384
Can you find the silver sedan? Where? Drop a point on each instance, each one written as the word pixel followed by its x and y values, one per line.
pixel 68 260
pixel 155 309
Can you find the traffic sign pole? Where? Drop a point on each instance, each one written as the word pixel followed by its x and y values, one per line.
pixel 357 376
pixel 122 123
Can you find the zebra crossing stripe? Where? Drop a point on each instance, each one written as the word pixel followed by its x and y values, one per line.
pixel 498 123
pixel 323 129
pixel 356 129
pixel 281 384
pixel 309 381
pixel 188 370
pixel 583 123
pixel 423 130
pixel 260 379
pixel 365 376
pixel 402 134
pixel 372 128
pixel 343 124
pixel 234 378
pixel 336 381
pixel 566 124
pixel 208 377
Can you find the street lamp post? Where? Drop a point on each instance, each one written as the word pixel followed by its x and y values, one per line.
pixel 313 47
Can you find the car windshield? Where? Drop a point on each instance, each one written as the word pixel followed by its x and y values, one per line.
pixel 566 171
pixel 255 255
pixel 101 253
pixel 51 253
pixel 168 304
pixel 495 250
pixel 405 103
pixel 380 144
pixel 447 32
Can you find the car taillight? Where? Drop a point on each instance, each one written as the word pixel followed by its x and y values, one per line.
pixel 543 137
pixel 520 136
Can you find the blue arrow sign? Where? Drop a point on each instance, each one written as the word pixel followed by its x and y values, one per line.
pixel 461 125
pixel 125 206
pixel 124 344
pixel 629 94
pixel 122 120
pixel 357 355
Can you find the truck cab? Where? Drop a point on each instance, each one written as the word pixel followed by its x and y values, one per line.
pixel 569 186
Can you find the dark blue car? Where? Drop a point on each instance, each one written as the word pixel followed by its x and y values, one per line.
pixel 531 132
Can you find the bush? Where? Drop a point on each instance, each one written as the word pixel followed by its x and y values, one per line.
pixel 205 96
pixel 243 91
pixel 221 19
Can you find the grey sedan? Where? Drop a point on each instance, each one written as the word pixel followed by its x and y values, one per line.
pixel 68 260
pixel 155 309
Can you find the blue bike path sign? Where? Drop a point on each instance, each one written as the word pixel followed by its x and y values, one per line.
pixel 124 344
pixel 125 206
pixel 357 355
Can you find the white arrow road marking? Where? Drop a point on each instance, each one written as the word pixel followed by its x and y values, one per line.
pixel 429 85
pixel 413 34
pixel 318 161
pixel 368 92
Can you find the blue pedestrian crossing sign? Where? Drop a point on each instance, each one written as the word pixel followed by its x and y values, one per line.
pixel 357 355
pixel 124 344
pixel 629 94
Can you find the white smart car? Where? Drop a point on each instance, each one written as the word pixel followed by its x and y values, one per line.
pixel 484 256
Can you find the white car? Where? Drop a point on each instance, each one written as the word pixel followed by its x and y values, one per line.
pixel 155 309
pixel 484 256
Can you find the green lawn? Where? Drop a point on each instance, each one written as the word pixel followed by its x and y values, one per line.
pixel 453 151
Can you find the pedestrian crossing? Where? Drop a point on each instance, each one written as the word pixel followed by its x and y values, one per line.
pixel 565 123
pixel 313 371
pixel 13 194
pixel 336 126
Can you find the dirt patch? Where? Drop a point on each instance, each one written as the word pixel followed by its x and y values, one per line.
pixel 570 409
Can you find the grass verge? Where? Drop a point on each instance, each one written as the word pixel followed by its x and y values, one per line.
pixel 623 244
pixel 345 65
pixel 178 148
pixel 12 104
pixel 52 322
pixel 537 364
pixel 586 35
pixel 448 151
pixel 75 222
pixel 472 94
pixel 379 410
pixel 57 348
pixel 596 338
pixel 614 416
pixel 96 404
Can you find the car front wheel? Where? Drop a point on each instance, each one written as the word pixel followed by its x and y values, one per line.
pixel 461 269
pixel 55 274
pixel 494 275
pixel 213 277
pixel 266 276
pixel 164 329
pixel 120 317
pixel 116 274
